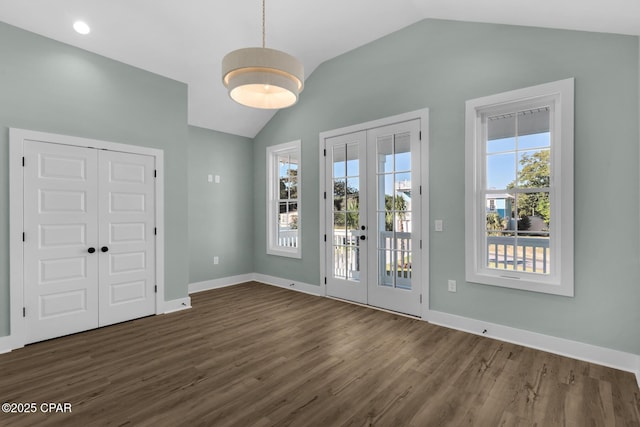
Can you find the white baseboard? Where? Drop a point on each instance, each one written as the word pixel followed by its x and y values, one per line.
pixel 576 350
pixel 7 344
pixel 176 305
pixel 589 353
pixel 289 284
pixel 207 285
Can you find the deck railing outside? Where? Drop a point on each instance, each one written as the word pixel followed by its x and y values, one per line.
pixel 529 254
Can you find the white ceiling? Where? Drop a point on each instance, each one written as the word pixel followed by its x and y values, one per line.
pixel 186 39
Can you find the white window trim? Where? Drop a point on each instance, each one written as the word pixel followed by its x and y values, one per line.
pixel 560 281
pixel 273 191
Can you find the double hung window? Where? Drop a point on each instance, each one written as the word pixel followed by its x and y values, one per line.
pixel 519 189
pixel 283 199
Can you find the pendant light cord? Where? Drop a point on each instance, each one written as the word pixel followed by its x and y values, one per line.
pixel 263 26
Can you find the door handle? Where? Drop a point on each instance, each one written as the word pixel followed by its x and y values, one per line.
pixel 104 249
pixel 91 250
pixel 363 237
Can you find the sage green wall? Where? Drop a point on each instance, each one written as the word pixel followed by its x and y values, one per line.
pixel 220 215
pixel 441 64
pixel 53 87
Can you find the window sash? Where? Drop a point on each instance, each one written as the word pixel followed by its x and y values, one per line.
pixel 284 239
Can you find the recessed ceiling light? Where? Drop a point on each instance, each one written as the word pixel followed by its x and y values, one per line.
pixel 81 27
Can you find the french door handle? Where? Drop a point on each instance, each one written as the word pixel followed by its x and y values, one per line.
pixel 91 250
pixel 363 237
pixel 104 249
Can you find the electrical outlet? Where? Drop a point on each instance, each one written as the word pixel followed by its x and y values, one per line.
pixel 452 286
pixel 216 260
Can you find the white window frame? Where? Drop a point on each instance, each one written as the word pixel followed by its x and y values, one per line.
pixel 273 195
pixel 560 96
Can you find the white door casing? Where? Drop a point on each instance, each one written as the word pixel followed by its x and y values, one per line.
pixel 69 232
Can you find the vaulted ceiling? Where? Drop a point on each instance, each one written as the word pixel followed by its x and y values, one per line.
pixel 186 39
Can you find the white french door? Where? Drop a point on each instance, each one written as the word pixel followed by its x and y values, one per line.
pixel 372 213
pixel 89 247
pixel 346 213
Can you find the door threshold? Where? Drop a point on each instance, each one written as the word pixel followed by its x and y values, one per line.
pixel 375 308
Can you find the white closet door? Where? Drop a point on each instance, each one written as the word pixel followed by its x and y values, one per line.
pixel 127 241
pixel 60 209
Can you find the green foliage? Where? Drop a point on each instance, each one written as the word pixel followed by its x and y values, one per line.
pixel 524 223
pixel 494 222
pixel 399 204
pixel 344 193
pixel 534 173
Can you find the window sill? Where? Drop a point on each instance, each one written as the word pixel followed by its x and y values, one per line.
pixel 285 253
pixel 524 282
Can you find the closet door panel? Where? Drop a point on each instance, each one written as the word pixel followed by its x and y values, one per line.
pixel 127 241
pixel 61 235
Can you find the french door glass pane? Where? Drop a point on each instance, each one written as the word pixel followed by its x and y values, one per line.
pixel 385 154
pixel 346 212
pixel 339 157
pixel 353 161
pixel 386 268
pixel 393 201
pixel 402 152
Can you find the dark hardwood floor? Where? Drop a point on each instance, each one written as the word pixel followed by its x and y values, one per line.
pixel 256 355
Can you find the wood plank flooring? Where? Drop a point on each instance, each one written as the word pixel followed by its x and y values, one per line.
pixel 256 355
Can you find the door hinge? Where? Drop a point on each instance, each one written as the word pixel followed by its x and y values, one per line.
pixel 420 298
pixel 155 289
pixel 155 173
pixel 325 280
pixel 420 135
pixel 24 236
pixel 23 161
pixel 421 190
pixel 24 311
pixel 325 237
pixel 325 152
pixel 420 243
pixel 155 231
pixel 325 195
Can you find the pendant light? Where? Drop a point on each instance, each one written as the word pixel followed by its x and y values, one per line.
pixel 259 77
